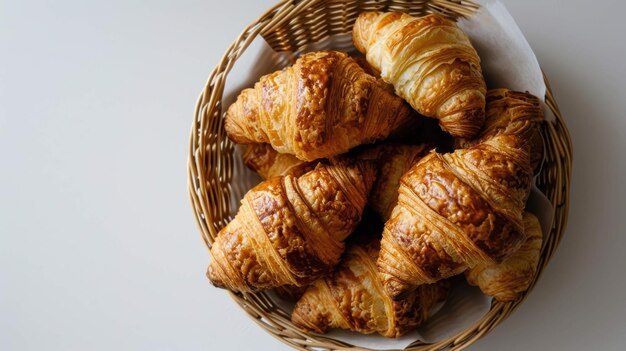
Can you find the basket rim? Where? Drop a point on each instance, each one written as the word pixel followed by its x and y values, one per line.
pixel 258 305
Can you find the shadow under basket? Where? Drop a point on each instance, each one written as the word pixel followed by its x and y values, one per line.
pixel 214 168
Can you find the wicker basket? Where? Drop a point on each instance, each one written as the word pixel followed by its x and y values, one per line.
pixel 291 25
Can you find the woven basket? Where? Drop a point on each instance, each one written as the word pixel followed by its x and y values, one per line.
pixel 213 168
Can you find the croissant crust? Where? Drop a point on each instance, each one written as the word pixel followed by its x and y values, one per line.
pixel 353 298
pixel 290 230
pixel 392 161
pixel 507 280
pixel 321 106
pixel 455 211
pixel 430 62
pixel 268 163
pixel 512 112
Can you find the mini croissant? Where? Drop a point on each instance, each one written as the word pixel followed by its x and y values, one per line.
pixel 456 211
pixel 353 298
pixel 290 230
pixel 430 62
pixel 392 161
pixel 321 106
pixel 505 281
pixel 512 112
pixel 268 163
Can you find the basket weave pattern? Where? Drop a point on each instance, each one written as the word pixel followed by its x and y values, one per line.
pixel 213 169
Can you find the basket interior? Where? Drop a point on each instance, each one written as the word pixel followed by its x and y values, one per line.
pixel 322 19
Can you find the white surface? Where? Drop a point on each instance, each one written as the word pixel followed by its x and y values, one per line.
pixel 98 247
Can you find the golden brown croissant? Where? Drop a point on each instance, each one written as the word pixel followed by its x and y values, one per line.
pixel 321 106
pixel 505 281
pixel 516 113
pixel 430 62
pixel 268 163
pixel 353 298
pixel 456 211
pixel 392 161
pixel 290 230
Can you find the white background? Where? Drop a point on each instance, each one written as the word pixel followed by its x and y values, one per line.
pixel 98 246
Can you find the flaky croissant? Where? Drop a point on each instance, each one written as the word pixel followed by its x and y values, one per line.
pixel 290 230
pixel 456 211
pixel 512 112
pixel 353 298
pixel 268 163
pixel 392 161
pixel 507 280
pixel 430 62
pixel 321 106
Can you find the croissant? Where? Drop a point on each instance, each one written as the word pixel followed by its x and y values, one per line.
pixel 321 106
pixel 268 163
pixel 392 161
pixel 456 211
pixel 353 298
pixel 430 62
pixel 507 280
pixel 512 112
pixel 290 230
